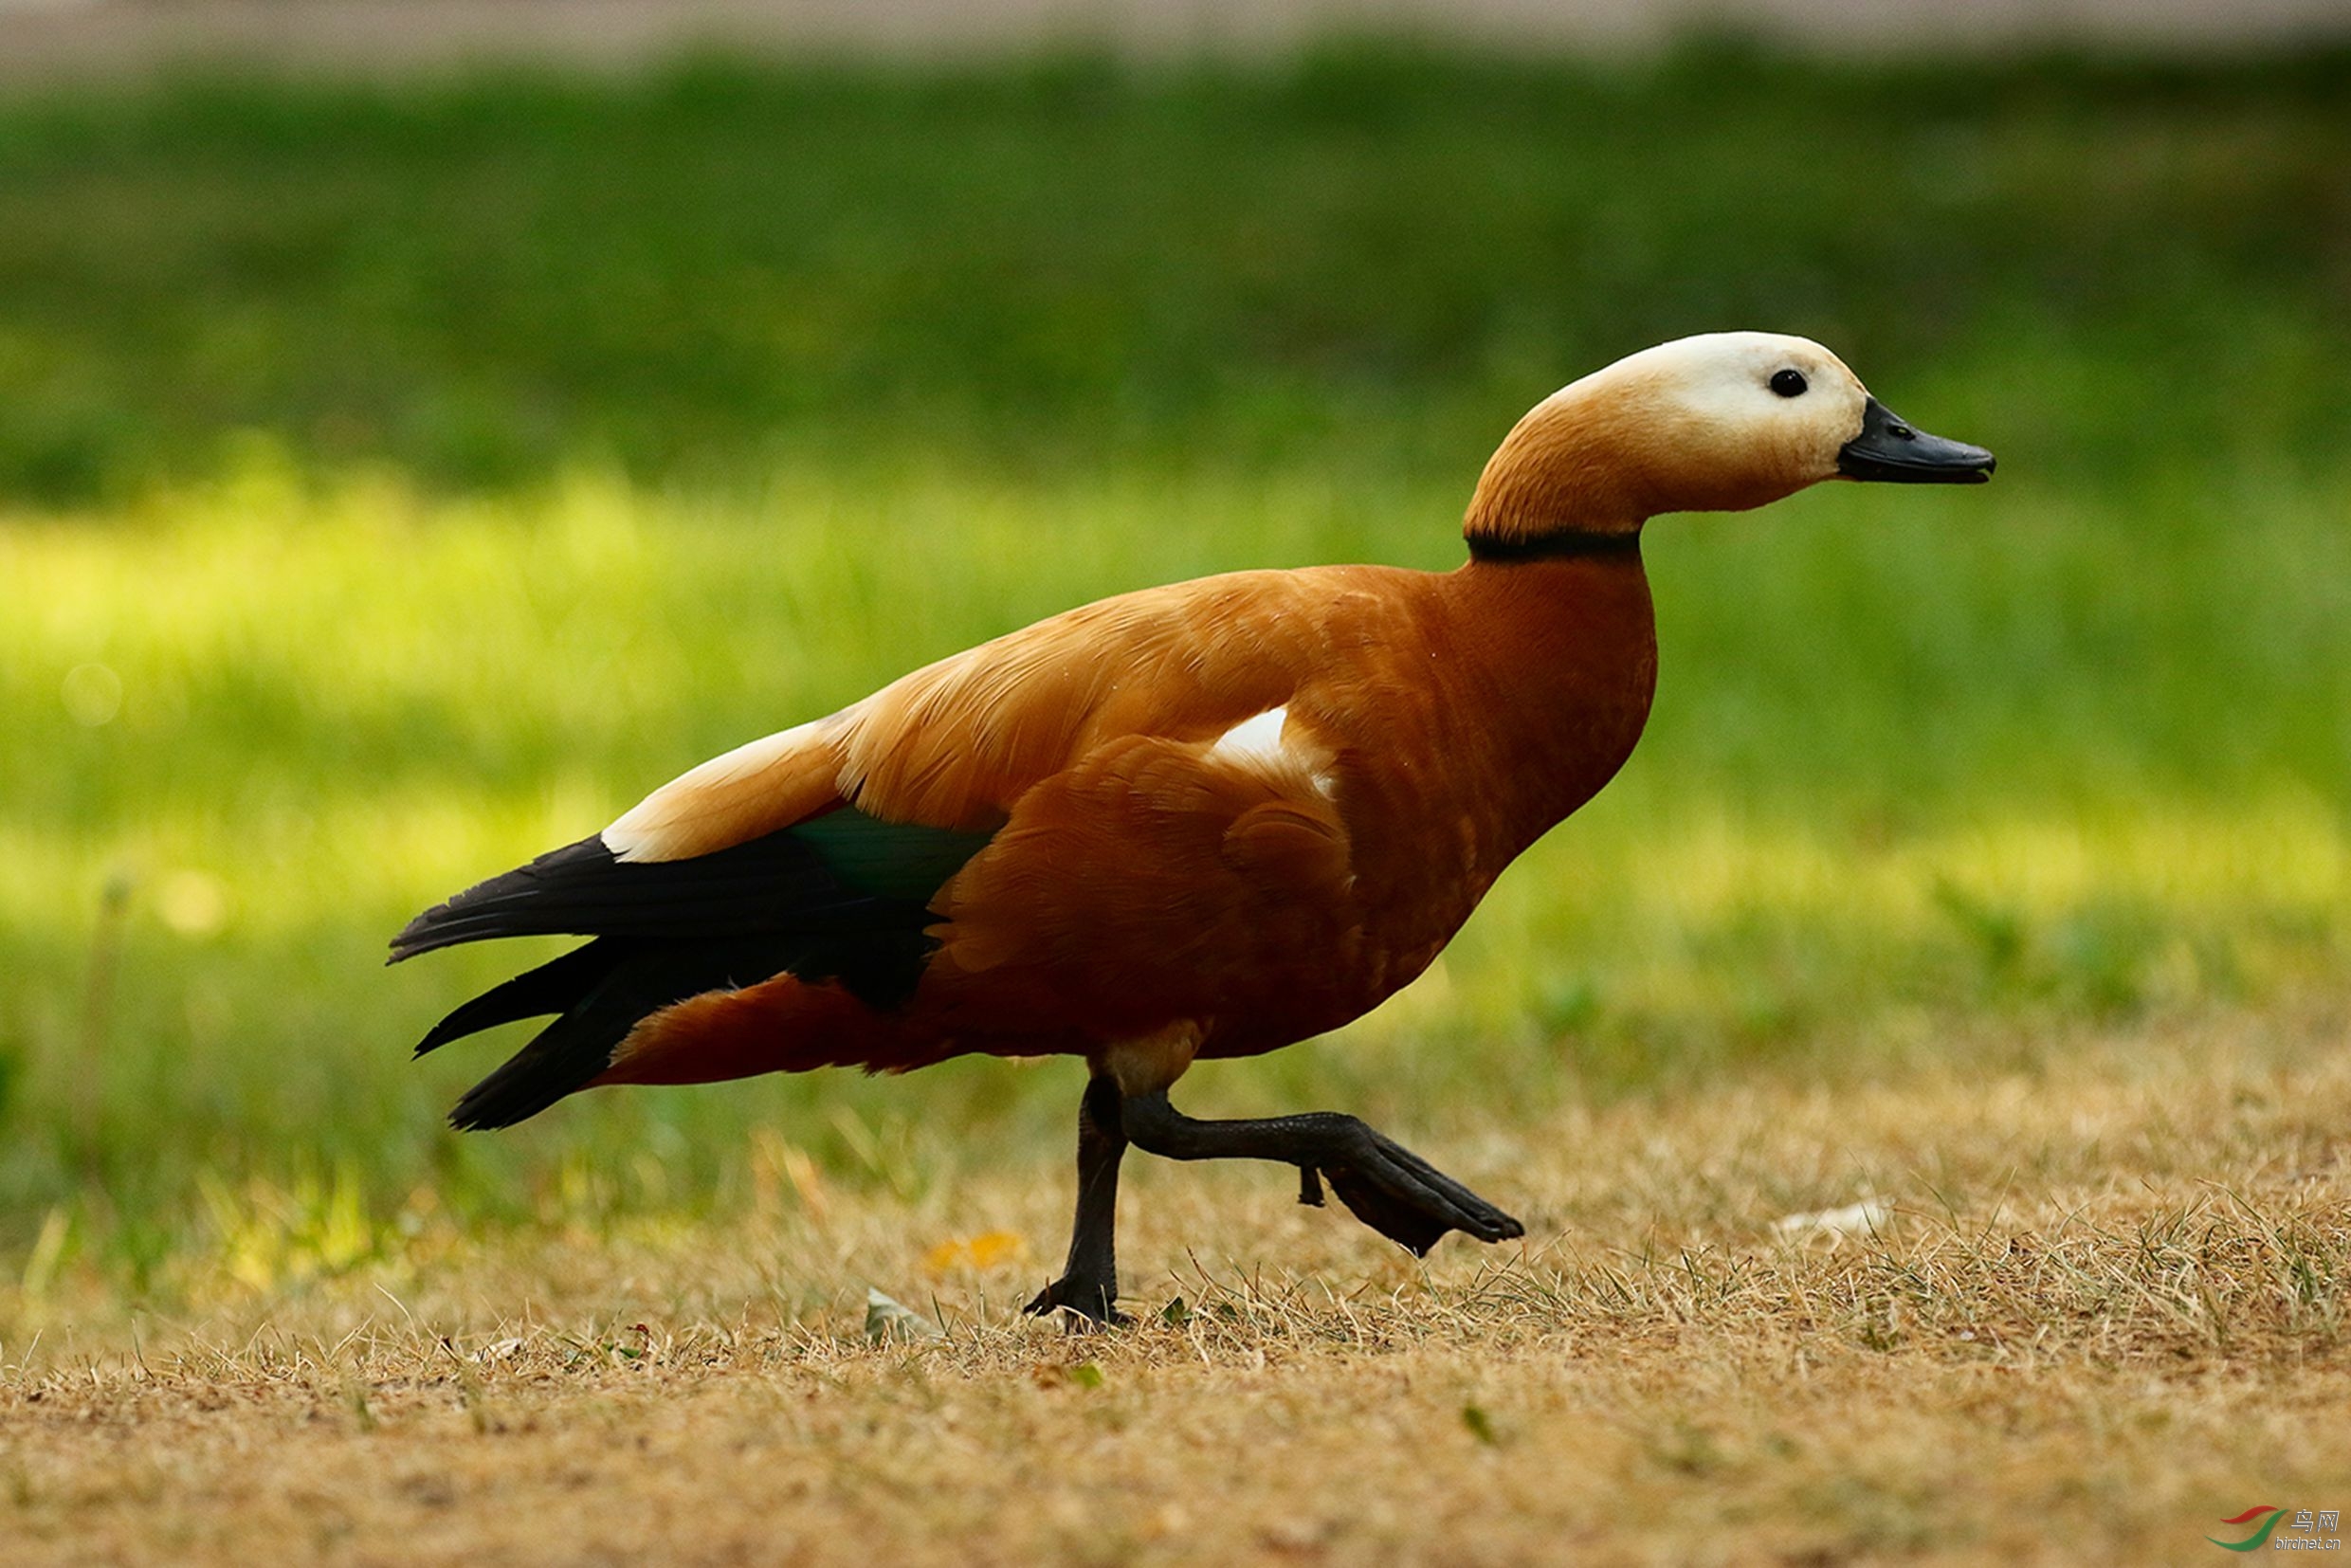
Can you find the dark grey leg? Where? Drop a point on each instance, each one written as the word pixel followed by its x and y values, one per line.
pixel 1089 1281
pixel 1390 1188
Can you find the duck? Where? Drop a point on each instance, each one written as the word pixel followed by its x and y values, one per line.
pixel 1196 822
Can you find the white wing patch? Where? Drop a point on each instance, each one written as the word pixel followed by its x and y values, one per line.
pixel 1264 743
pixel 1257 739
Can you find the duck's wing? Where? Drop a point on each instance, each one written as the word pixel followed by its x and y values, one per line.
pixel 954 745
pixel 923 771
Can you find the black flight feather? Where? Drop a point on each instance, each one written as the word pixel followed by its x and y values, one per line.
pixel 843 897
pixel 776 882
pixel 552 988
pixel 569 1052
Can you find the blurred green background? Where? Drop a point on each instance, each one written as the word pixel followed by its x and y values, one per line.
pixel 395 482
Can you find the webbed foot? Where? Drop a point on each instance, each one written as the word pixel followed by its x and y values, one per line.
pixel 1408 1200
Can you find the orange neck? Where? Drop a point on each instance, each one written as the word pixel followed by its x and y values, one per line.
pixel 1557 659
pixel 1558 473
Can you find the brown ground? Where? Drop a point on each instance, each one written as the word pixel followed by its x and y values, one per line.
pixel 2107 1312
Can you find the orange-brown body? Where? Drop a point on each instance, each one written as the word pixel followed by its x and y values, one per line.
pixel 1143 881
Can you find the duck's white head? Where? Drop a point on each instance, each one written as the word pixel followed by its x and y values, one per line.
pixel 1716 423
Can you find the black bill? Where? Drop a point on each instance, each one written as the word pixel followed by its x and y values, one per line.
pixel 1890 449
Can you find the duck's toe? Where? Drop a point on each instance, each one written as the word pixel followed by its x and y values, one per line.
pixel 1410 1201
pixel 1089 1303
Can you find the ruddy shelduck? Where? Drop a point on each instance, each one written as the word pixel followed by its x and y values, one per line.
pixel 1204 820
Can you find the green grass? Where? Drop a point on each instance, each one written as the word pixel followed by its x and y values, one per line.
pixel 435 470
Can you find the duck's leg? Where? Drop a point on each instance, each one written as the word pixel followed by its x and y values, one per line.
pixel 1089 1281
pixel 1390 1188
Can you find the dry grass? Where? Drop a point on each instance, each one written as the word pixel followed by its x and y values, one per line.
pixel 2107 1311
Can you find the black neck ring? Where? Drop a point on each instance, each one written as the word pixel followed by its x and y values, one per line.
pixel 1556 547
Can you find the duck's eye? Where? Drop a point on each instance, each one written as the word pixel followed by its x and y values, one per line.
pixel 1788 383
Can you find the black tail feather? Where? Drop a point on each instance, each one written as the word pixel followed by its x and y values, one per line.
pixel 570 1052
pixel 552 988
pixel 561 1058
